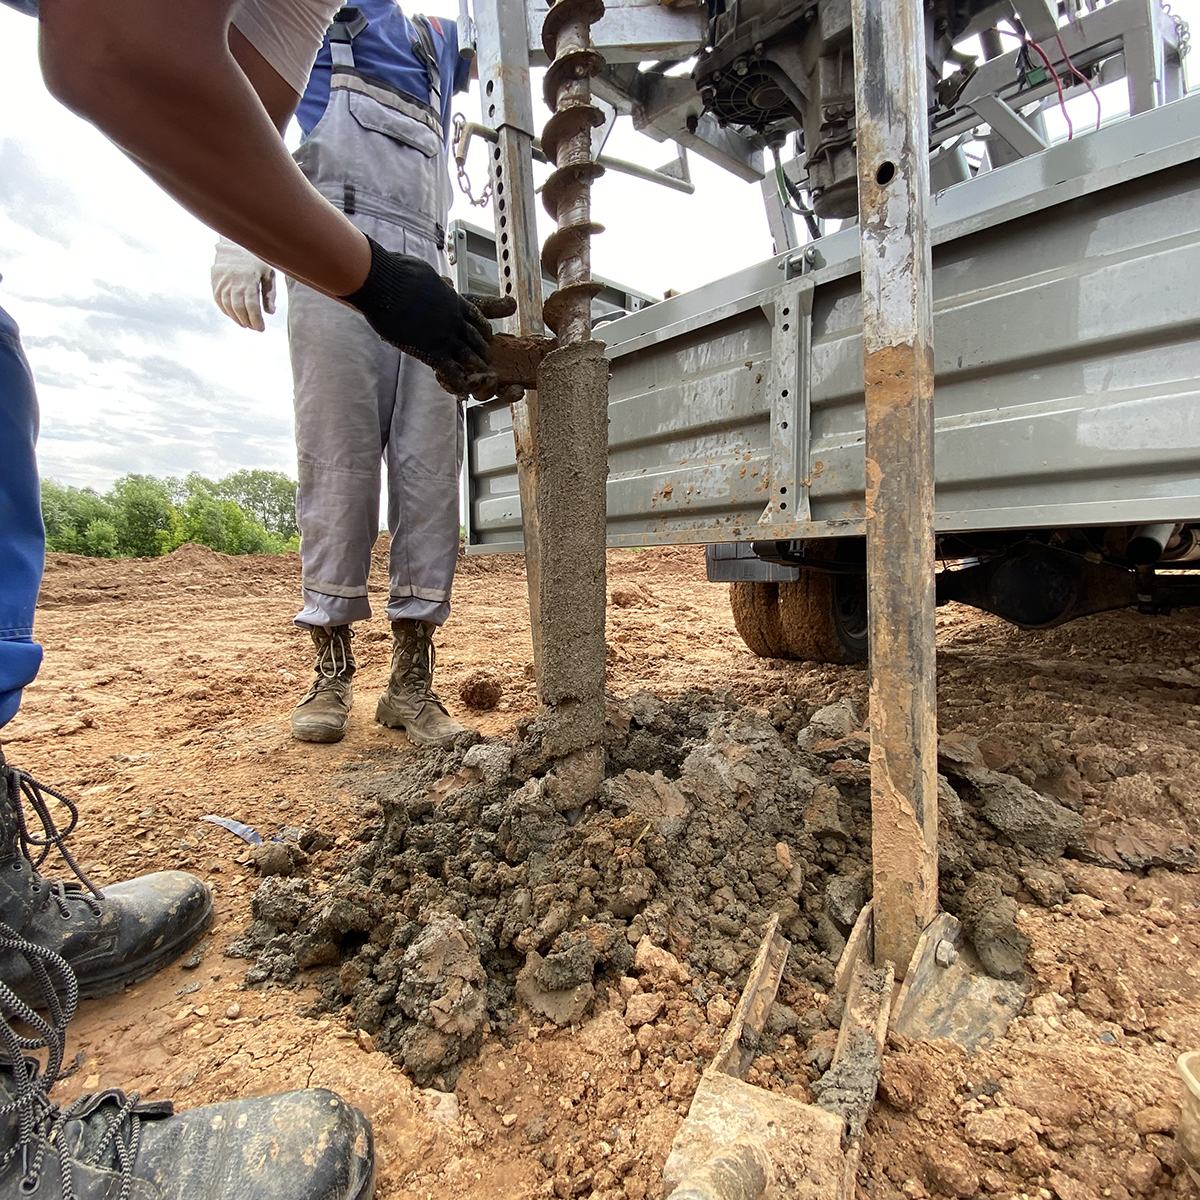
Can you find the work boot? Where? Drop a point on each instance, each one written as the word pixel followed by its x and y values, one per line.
pixel 111 938
pixel 304 1145
pixel 324 713
pixel 410 702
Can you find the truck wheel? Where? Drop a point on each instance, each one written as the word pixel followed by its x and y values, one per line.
pixel 825 617
pixel 758 618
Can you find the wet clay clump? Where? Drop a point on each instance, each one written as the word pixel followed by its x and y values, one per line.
pixel 485 886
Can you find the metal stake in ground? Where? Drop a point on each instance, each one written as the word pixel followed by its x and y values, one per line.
pixel 571 437
pixel 893 190
pixel 508 108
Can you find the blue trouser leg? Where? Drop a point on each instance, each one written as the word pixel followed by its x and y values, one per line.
pixel 22 538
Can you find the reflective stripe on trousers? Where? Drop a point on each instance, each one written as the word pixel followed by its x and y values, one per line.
pixel 22 541
pixel 359 400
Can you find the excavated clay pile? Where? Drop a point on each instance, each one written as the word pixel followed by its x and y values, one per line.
pixel 485 889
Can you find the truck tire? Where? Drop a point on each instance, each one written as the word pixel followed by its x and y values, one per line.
pixel 825 617
pixel 757 615
pixel 820 617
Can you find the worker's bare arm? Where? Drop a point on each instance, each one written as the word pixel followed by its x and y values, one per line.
pixel 273 90
pixel 158 77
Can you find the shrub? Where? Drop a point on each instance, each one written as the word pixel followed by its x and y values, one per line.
pixel 247 512
pixel 219 524
pixel 100 539
pixel 68 512
pixel 142 508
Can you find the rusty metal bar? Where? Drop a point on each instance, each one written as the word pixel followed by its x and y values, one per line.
pixel 507 102
pixel 739 1046
pixel 893 188
pixel 517 260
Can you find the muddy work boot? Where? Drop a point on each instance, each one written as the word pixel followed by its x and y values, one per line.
pixel 410 702
pixel 110 938
pixel 305 1145
pixel 323 714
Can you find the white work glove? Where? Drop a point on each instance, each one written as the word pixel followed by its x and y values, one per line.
pixel 242 285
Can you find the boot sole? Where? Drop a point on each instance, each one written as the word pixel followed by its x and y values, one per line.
pixel 109 983
pixel 319 735
pixel 368 1184
pixel 386 715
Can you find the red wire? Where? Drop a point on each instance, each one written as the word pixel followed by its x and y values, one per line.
pixel 1062 103
pixel 1087 83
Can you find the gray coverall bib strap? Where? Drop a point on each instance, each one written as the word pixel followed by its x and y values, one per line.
pixel 377 150
pixel 379 155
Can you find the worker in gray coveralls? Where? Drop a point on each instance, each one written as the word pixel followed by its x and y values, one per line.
pixel 375 117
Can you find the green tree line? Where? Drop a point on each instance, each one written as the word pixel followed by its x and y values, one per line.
pixel 248 512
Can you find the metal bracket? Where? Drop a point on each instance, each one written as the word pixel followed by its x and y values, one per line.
pixel 633 32
pixel 791 343
pixel 809 260
pixel 1009 125
pixel 503 39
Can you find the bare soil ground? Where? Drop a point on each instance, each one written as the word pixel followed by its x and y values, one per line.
pixel 166 694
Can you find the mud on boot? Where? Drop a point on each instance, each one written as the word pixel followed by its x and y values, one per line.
pixel 324 713
pixel 304 1145
pixel 110 938
pixel 410 702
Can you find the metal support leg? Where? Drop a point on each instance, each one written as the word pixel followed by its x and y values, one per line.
pixel 893 166
pixel 517 247
pixel 508 108
pixel 518 259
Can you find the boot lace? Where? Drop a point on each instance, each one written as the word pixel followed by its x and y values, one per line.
pixel 415 660
pixel 40 1121
pixel 24 790
pixel 335 659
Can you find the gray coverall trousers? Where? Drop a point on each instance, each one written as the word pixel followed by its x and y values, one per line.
pixel 357 398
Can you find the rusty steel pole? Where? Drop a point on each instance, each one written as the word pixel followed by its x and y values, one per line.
pixel 507 103
pixel 893 197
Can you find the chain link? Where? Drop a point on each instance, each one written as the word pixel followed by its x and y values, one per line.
pixel 460 159
pixel 1183 32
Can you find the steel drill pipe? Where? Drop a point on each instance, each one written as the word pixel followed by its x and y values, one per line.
pixel 567 142
pixel 893 195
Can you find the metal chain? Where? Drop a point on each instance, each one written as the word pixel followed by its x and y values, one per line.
pixel 464 180
pixel 1183 32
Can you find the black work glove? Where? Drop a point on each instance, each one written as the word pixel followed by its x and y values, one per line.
pixel 484 387
pixel 492 307
pixel 411 306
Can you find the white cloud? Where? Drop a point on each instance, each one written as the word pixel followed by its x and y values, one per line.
pixel 137 370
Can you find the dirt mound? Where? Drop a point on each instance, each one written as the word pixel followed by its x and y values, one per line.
pixel 481 690
pixel 193 557
pixel 657 560
pixel 486 885
pixel 71 579
pixel 472 566
pixel 195 561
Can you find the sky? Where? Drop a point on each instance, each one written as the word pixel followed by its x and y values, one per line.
pixel 108 278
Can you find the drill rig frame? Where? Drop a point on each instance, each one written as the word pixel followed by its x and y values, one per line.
pixel 1067 350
